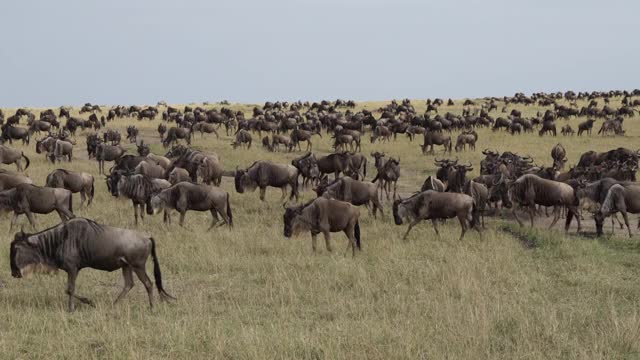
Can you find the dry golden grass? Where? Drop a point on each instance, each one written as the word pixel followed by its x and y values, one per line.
pixel 250 293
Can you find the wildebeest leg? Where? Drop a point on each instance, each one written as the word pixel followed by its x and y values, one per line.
pixel 463 226
pixel 411 225
pixel 626 221
pixel 182 215
pixel 513 211
pixel 313 241
pixel 263 191
pixel 141 206
pixel 32 221
pixel 556 216
pixel 395 189
pixel 135 212
pixel 532 213
pixel 327 240
pixel 284 193
pixel 71 287
pixel 127 274
pixel 214 220
pixel 82 198
pixel 434 222
pixel 142 275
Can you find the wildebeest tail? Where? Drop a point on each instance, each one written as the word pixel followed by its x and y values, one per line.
pixel 229 213
pixel 27 159
pixel 157 275
pixel 70 202
pixel 92 187
pixel 475 215
pixel 356 233
pixel 364 169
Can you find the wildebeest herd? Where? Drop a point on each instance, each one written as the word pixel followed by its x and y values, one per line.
pixel 183 178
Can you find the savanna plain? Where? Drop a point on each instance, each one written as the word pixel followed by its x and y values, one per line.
pixel 250 293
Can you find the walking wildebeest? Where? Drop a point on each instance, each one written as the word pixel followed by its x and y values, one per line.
pixel 324 216
pixel 13 156
pixel 387 176
pixel 80 243
pixel 137 188
pixel 76 182
pixel 586 126
pixel 106 152
pixel 334 163
pixel 353 191
pixel 264 173
pixel 10 180
pixel 10 133
pixel 174 134
pixel 433 205
pixel 307 166
pixel 530 190
pixel 436 138
pixel 186 196
pixel 28 199
pixel 205 128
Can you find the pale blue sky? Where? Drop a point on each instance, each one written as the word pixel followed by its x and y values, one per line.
pixel 127 51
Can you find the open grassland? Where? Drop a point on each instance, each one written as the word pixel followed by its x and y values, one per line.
pixel 248 292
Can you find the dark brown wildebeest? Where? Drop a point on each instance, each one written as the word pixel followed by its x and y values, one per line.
pixel 186 196
pixel 38 126
pixel 243 137
pixel 381 132
pixel 432 183
pixel 387 176
pixel 80 243
pixel 210 170
pixel 619 198
pixel 324 216
pixel 13 156
pixel 264 173
pixel 433 205
pixel 334 163
pixel 354 192
pixel 46 146
pixel 342 140
pixel 132 134
pixel 10 180
pixel 530 190
pixel 586 126
pixel 307 166
pixel 559 156
pixel 64 113
pixel 204 127
pixel 357 168
pixel 279 139
pixel 137 188
pixel 567 130
pixel 106 152
pixel 28 199
pixel 435 138
pixel 174 134
pixel 112 136
pixel 76 182
pixel 480 194
pixel 298 135
pixel 548 127
pixel 466 138
pixel 10 133
pixel 162 129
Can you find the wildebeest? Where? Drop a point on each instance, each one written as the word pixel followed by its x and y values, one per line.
pixel 10 180
pixel 530 190
pixel 586 126
pixel 279 139
pixel 138 188
pixel 13 156
pixel 357 168
pixel 159 160
pixel 76 182
pixel 432 183
pixel 433 205
pixel 620 198
pixel 466 138
pixel 106 152
pixel 264 173
pixel 80 243
pixel 174 134
pixel 210 170
pixel 435 138
pixel 558 154
pixel 307 166
pixel 243 137
pixel 387 176
pixel 548 127
pixel 10 133
pixel 204 127
pixel 324 216
pixel 334 163
pixel 112 136
pixel 298 135
pixel 150 169
pixel 186 196
pixel 353 191
pixel 132 133
pixel 28 199
pixel 38 126
pixel 61 149
pixel 178 175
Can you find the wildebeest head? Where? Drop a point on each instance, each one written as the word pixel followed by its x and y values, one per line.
pixel 500 190
pixel 238 180
pixel 399 211
pixel 307 165
pixel 157 203
pixel 294 219
pixel 143 149
pixel 113 180
pixel 25 257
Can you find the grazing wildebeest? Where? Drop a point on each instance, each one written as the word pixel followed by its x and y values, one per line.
pixel 433 205
pixel 205 128
pixel 264 173
pixel 76 182
pixel 432 183
pixel 150 169
pixel 10 133
pixel 619 198
pixel 80 243
pixel 324 216
pixel 28 199
pixel 243 137
pixel 435 138
pixel 279 139
pixel 466 138
pixel 353 191
pixel 530 190
pixel 10 180
pixel 106 152
pixel 388 175
pixel 61 149
pixel 307 166
pixel 558 154
pixel 137 188
pixel 178 175
pixel 186 196
pixel 174 134
pixel 13 156
pixel 586 126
